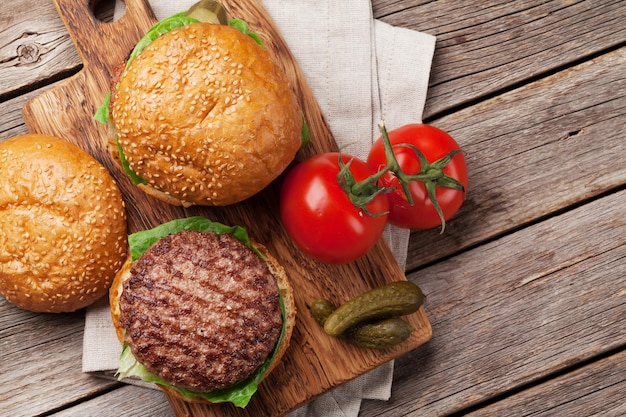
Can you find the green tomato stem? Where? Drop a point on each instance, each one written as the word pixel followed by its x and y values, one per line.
pixel 360 193
pixel 431 175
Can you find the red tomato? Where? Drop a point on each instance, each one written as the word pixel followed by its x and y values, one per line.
pixel 435 145
pixel 321 218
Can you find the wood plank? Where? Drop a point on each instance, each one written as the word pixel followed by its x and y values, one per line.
pixel 40 361
pixel 533 151
pixel 125 401
pixel 521 39
pixel 596 389
pixel 36 48
pixel 11 120
pixel 501 43
pixel 517 310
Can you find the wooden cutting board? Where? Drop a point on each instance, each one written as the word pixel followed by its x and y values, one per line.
pixel 314 362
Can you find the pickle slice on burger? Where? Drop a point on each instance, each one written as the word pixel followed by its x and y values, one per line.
pixel 201 310
pixel 200 114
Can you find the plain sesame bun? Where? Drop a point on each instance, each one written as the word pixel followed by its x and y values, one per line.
pixel 62 225
pixel 205 116
pixel 277 271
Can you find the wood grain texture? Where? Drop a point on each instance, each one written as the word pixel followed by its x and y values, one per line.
pixel 470 296
pixel 480 50
pixel 126 401
pixel 522 307
pixel 595 389
pixel 314 362
pixel 41 353
pixel 491 45
pixel 33 51
pixel 12 123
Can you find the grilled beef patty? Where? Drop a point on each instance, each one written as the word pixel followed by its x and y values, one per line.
pixel 200 310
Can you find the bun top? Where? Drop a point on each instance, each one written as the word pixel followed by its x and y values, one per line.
pixel 205 116
pixel 62 227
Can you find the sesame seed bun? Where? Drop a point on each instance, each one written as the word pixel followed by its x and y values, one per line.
pixel 205 116
pixel 62 225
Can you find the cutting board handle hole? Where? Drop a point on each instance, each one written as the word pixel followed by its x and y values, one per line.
pixel 106 10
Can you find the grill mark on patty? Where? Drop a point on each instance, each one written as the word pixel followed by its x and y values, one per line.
pixel 200 310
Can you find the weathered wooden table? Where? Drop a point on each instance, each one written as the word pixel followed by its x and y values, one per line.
pixel 526 290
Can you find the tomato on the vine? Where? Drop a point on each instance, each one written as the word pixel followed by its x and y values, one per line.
pixel 327 213
pixel 426 152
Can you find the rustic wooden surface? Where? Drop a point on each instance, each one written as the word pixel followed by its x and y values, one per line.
pixel 526 290
pixel 314 362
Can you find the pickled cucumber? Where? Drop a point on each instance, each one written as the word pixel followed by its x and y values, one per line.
pixel 381 334
pixel 390 300
pixel 209 11
pixel 321 310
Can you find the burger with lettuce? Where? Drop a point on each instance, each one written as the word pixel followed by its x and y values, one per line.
pixel 200 114
pixel 201 310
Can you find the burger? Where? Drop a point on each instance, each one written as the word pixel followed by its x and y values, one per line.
pixel 200 114
pixel 201 310
pixel 62 225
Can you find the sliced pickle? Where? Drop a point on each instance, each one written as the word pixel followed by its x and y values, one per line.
pixel 208 11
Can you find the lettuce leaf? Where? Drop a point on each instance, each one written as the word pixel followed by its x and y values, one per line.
pixel 240 393
pixel 243 27
pixel 102 113
pixel 305 134
pixel 139 242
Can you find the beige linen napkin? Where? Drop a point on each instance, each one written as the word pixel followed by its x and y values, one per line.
pixel 348 58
